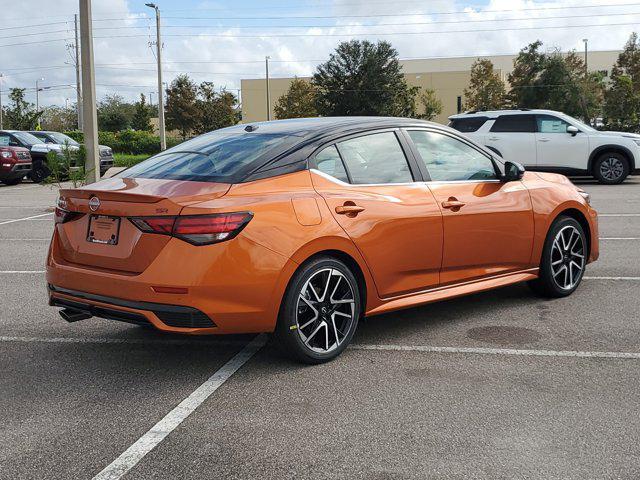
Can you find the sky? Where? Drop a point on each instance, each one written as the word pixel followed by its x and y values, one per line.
pixel 226 40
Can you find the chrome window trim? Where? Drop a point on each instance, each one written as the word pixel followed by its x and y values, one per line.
pixel 340 182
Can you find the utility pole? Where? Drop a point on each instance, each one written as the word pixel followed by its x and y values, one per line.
pixel 89 113
pixel 586 57
pixel 266 66
pixel 78 86
pixel 163 140
pixel 38 100
pixel 1 112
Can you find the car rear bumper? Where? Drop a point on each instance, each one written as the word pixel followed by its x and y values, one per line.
pixel 231 287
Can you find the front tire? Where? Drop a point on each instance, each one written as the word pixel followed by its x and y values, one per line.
pixel 14 181
pixel 564 259
pixel 320 311
pixel 611 168
pixel 39 174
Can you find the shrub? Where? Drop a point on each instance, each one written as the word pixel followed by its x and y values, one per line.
pixel 131 142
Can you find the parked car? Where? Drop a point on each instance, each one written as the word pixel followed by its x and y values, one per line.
pixel 304 226
pixel 546 140
pixel 15 164
pixel 37 149
pixel 57 138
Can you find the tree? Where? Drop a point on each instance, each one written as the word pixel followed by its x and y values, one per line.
pixel 59 119
pixel 141 119
pixel 20 114
pixel 363 78
pixel 298 102
pixel 114 114
pixel 215 109
pixel 431 104
pixel 527 67
pixel 181 111
pixel 621 107
pixel 486 90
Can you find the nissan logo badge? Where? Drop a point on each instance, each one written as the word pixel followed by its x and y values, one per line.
pixel 94 203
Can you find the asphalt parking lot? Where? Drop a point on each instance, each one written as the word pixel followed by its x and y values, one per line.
pixel 495 385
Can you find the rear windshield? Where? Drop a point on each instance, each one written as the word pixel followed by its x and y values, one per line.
pixel 213 157
pixel 467 125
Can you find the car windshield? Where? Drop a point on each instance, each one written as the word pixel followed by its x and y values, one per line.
pixel 213 157
pixel 63 139
pixel 26 138
pixel 582 126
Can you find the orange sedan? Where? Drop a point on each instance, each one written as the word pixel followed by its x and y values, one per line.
pixel 304 226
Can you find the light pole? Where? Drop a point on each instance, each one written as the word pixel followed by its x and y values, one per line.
pixel 163 140
pixel 66 104
pixel 586 57
pixel 266 66
pixel 38 99
pixel 1 112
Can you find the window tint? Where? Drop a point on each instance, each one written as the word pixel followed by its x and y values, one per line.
pixel 551 124
pixel 449 159
pixel 328 161
pixel 376 158
pixel 213 157
pixel 468 125
pixel 514 124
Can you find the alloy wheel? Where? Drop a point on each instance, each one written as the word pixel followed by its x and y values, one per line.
pixel 325 311
pixel 611 168
pixel 567 257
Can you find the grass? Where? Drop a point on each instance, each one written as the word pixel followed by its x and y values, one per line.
pixel 126 160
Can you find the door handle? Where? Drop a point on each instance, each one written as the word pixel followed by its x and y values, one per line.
pixel 494 138
pixel 543 139
pixel 349 210
pixel 453 204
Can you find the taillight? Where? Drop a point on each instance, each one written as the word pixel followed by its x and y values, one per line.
pixel 196 229
pixel 63 216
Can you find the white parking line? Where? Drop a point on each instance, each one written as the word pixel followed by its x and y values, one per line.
pixel 619 238
pixel 619 214
pixel 25 239
pixel 132 455
pixel 632 279
pixel 498 351
pixel 13 220
pixel 10 272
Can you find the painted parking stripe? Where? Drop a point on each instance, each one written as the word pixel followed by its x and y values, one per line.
pixel 619 214
pixel 13 220
pixel 11 272
pixel 619 238
pixel 633 279
pixel 132 455
pixel 498 351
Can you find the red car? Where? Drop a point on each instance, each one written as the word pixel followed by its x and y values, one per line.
pixel 15 163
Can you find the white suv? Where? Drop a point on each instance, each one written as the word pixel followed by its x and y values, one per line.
pixel 546 140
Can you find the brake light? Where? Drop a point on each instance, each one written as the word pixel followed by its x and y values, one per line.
pixel 63 216
pixel 196 229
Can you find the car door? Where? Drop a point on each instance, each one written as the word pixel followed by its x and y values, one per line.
pixel 514 137
pixel 557 148
pixel 487 224
pixel 368 184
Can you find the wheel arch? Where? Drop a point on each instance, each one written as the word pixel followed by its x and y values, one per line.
pixel 579 217
pixel 615 149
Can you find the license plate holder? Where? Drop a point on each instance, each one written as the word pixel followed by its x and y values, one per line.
pixel 103 229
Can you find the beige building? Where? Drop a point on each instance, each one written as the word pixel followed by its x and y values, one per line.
pixel 447 76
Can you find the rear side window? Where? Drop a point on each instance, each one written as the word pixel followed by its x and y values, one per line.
pixel 468 125
pixel 514 124
pixel 376 158
pixel 213 157
pixel 328 161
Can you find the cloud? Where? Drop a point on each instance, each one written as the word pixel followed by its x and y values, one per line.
pixel 125 63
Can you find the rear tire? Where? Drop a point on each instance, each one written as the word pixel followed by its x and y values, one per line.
pixel 611 168
pixel 320 311
pixel 39 174
pixel 564 259
pixel 15 181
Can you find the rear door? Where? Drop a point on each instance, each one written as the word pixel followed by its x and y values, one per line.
pixel 557 148
pixel 488 224
pixel 514 137
pixel 368 184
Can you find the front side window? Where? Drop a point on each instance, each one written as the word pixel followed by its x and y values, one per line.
pixel 4 139
pixel 212 157
pixel 328 161
pixel 449 159
pixel 551 124
pixel 514 124
pixel 376 158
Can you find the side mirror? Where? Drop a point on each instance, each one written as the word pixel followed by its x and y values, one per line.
pixel 512 171
pixel 573 130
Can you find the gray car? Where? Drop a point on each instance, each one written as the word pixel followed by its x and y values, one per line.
pixel 57 138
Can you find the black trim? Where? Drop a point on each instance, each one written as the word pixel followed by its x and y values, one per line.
pixel 611 148
pixel 172 315
pixel 101 312
pixel 562 170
